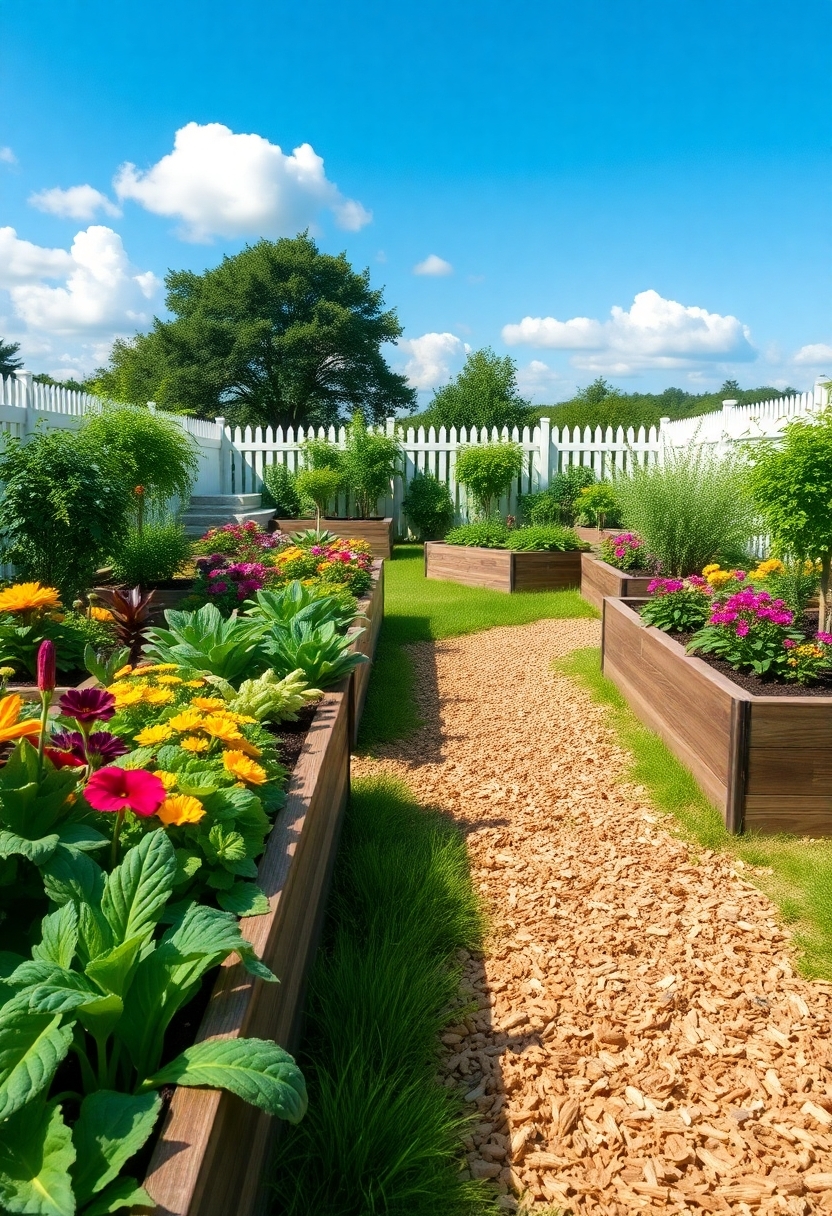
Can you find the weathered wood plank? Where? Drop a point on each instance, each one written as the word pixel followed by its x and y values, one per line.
pixel 546 571
pixel 799 816
pixel 791 722
pixel 599 579
pixel 501 569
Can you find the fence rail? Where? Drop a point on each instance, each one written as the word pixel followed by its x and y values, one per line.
pixel 233 459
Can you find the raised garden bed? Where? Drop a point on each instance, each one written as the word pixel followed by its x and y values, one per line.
pixel 762 760
pixel 213 1147
pixel 377 532
pixel 502 569
pixel 600 579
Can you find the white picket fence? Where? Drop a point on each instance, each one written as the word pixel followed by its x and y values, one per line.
pixel 233 459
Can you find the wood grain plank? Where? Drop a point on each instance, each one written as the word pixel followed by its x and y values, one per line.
pixel 546 571
pixel 799 816
pixel 791 722
pixel 600 579
pixel 470 566
pixel 377 532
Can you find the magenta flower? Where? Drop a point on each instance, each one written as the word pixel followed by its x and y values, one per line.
pixel 102 747
pixel 742 629
pixel 116 790
pixel 825 638
pixel 789 643
pixel 46 666
pixel 88 705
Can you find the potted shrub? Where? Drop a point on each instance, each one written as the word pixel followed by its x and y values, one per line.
pixel 428 507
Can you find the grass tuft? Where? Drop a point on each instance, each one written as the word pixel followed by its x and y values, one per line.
pixel 382 1136
pixel 418 610
pixel 800 870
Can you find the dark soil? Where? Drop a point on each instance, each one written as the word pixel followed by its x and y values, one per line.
pixel 292 736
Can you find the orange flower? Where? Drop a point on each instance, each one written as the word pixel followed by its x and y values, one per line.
pixel 239 765
pixel 122 671
pixel 24 597
pixel 180 809
pixel 188 719
pixel 222 728
pixel 100 614
pixel 10 728
pixel 157 696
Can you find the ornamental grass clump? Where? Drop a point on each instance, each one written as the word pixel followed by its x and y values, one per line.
pixel 691 509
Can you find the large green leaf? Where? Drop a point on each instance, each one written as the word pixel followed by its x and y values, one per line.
pixel 123 1193
pixel 113 970
pixel 62 992
pixel 244 899
pixel 100 1017
pixel 36 1152
pixel 32 1046
pixel 256 1070
pixel 94 934
pixel 59 937
pixel 136 891
pixel 33 804
pixel 36 851
pixel 81 837
pixel 110 1129
pixel 70 875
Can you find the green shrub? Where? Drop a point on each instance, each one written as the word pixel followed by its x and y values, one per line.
pixel 63 510
pixel 692 509
pixel 428 507
pixel 322 486
pixel 368 463
pixel 322 454
pixel 487 472
pixel 599 503
pixel 153 555
pixel 280 490
pixel 488 534
pixel 557 504
pixel 544 537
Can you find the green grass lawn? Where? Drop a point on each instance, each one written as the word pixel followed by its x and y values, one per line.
pixel 800 881
pixel 420 610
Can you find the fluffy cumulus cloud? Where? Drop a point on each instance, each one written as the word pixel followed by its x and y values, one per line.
pixel 219 183
pixel 100 291
pixel 538 381
pixel 76 203
pixel 654 333
pixel 433 266
pixel 433 358
pixel 7 156
pixel 817 354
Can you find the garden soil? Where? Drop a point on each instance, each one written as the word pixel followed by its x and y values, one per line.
pixel 639 1040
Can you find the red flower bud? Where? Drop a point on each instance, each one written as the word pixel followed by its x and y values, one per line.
pixel 46 666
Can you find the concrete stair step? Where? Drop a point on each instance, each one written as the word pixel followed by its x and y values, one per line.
pixel 197 522
pixel 239 502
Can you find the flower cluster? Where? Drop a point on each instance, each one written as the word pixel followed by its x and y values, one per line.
pixel 753 631
pixel 678 605
pixel 245 542
pixel 742 609
pixel 624 551
pixel 226 583
pixel 718 578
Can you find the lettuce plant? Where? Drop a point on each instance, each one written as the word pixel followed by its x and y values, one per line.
pixel 270 699
pixel 203 641
pixel 103 986
pixel 319 651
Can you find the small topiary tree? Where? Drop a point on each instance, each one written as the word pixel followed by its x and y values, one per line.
pixel 428 507
pixel 321 485
pixel 792 487
pixel 488 471
pixel 598 501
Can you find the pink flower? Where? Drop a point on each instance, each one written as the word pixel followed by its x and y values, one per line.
pixel 115 790
pixel 825 638
pixel 88 704
pixel 46 666
pixel 789 643
pixel 742 629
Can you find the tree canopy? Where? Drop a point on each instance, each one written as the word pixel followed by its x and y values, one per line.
pixel 484 393
pixel 279 334
pixel 8 362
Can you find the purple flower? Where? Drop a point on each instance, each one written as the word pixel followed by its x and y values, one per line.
pixel 102 747
pixel 46 666
pixel 789 643
pixel 88 705
pixel 218 588
pixel 742 628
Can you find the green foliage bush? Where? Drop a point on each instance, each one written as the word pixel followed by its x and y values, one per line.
pixel 487 472
pixel 321 485
pixel 428 507
pixel 280 490
pixel 540 537
pixel 557 504
pixel 486 534
pixel 692 509
pixel 599 504
pixel 148 449
pixel 153 555
pixel 368 463
pixel 484 394
pixel 63 510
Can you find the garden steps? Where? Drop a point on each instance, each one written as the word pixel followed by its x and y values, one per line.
pixel 213 510
pixel 642 1039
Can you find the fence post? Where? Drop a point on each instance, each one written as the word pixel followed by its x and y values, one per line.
pixel 26 381
pixel 821 393
pixel 544 452
pixel 390 427
pixel 223 455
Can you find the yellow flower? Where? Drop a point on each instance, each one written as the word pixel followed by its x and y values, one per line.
pixel 239 765
pixel 710 569
pixel 221 728
pixel 10 728
pixel 167 779
pixel 160 667
pixel 188 719
pixel 24 597
pixel 207 703
pixel 718 578
pixel 181 809
pixel 193 743
pixel 170 680
pixel 151 735
pixel 122 671
pixel 242 745
pixel 194 684
pixel 100 614
pixel 158 696
pixel 128 696
pixel 6 673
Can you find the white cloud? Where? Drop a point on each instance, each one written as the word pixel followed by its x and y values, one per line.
pixel 222 184
pixel 814 355
pixel 433 266
pixel 655 333
pixel 7 156
pixel 23 262
pixel 77 202
pixel 538 381
pixel 102 291
pixel 434 358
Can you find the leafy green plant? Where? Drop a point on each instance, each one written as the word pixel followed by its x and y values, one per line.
pixel 548 537
pixel 487 471
pixel 484 394
pixel 677 605
pixel 270 698
pixel 102 986
pixel 62 511
pixel 319 453
pixel 203 641
pixel 153 555
pixel 130 610
pixel 599 502
pixel 487 534
pixel 22 633
pixel 312 604
pixel 280 483
pixel 103 666
pixel 369 463
pixel 313 536
pixel 319 651
pixel 428 507
pixel 792 487
pixel 322 486
pixel 795 583
pixel 557 504
pixel 692 509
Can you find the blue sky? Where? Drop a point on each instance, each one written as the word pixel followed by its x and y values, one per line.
pixel 542 163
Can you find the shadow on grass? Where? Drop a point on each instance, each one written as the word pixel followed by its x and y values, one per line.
pixel 796 873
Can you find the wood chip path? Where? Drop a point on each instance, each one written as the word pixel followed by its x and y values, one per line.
pixel 642 1041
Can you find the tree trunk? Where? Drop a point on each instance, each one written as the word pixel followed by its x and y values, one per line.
pixel 824 604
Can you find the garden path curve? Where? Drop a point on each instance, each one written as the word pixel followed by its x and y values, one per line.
pixel 643 1043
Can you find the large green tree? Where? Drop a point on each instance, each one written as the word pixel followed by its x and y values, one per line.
pixel 8 362
pixel 279 334
pixel 484 393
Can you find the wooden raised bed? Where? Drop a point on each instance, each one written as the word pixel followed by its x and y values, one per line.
pixel 377 532
pixel 502 569
pixel 763 761
pixel 599 579
pixel 213 1147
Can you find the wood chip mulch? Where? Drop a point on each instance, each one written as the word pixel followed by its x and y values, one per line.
pixel 639 1040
